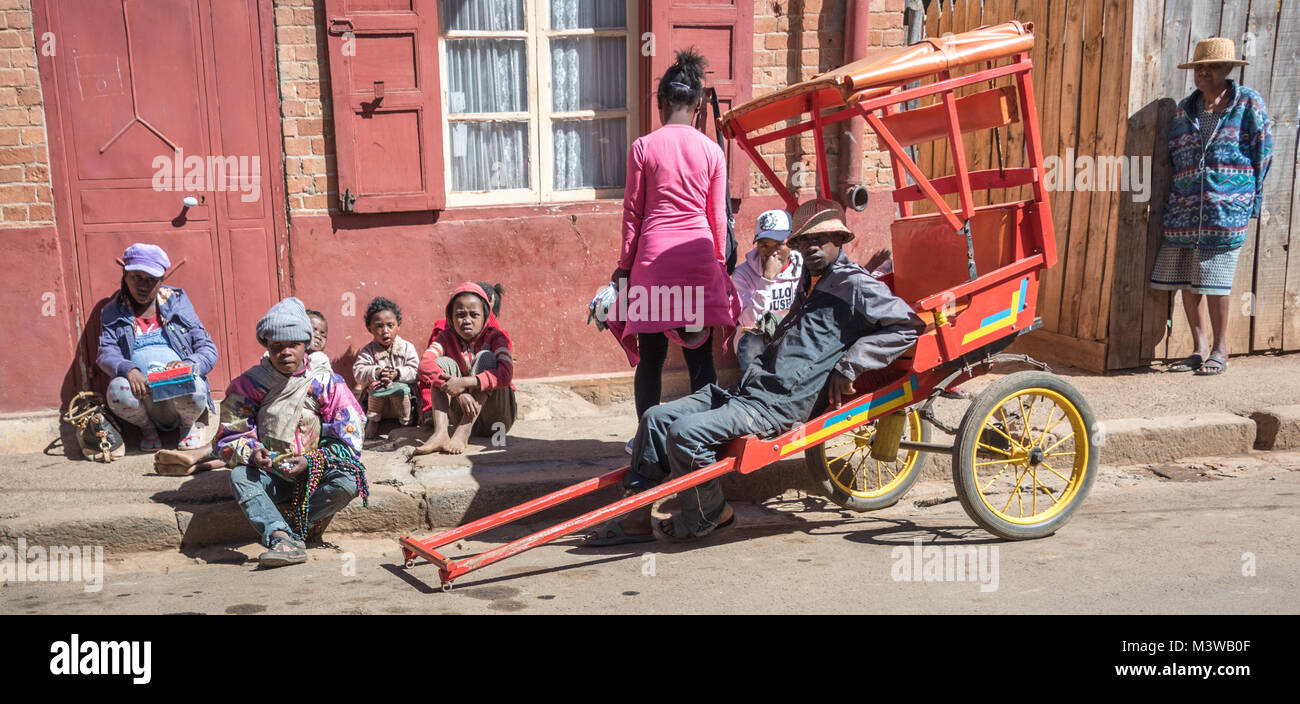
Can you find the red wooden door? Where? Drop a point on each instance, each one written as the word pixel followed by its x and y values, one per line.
pixel 723 32
pixel 151 91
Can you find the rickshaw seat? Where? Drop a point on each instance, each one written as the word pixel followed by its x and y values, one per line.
pixel 985 110
pixel 930 258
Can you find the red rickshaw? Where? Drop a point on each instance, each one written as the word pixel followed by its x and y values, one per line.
pixel 1023 456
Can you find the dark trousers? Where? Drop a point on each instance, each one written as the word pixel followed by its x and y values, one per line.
pixel 653 348
pixel 674 439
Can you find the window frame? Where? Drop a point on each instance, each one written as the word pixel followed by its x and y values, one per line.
pixel 541 118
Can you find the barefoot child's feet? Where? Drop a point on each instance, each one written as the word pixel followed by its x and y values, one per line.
pixel 459 439
pixel 435 444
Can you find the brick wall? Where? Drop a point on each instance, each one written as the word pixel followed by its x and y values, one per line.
pixel 793 41
pixel 24 160
pixel 310 171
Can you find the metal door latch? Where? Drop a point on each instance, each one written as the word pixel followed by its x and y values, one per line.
pixel 347 201
pixel 970 249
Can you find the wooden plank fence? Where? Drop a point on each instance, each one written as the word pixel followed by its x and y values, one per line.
pixel 1108 84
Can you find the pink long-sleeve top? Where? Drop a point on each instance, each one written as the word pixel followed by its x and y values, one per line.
pixel 676 182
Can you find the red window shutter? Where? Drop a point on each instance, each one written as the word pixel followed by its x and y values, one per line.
pixel 723 32
pixel 387 104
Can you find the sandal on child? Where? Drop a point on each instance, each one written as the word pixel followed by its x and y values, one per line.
pixel 1191 364
pixel 193 439
pixel 283 551
pixel 150 442
pixel 1213 366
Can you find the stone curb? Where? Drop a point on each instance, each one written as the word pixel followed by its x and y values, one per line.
pixel 1145 440
pixel 117 527
pixel 438 498
pixel 1279 428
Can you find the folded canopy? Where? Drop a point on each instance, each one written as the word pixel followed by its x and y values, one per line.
pixel 880 73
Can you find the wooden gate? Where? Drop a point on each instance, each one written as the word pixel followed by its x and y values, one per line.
pixel 1110 85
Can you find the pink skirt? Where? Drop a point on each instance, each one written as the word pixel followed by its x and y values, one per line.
pixel 676 282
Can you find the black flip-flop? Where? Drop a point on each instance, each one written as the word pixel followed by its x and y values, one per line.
pixel 670 527
pixel 1192 363
pixel 1219 366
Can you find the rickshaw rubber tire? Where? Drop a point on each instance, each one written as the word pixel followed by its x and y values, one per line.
pixel 814 460
pixel 963 476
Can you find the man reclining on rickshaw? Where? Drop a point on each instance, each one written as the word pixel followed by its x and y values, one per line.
pixel 843 322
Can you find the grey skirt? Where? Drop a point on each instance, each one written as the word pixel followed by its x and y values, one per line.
pixel 1208 271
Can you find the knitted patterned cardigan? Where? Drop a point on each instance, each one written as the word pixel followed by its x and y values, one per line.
pixel 1217 188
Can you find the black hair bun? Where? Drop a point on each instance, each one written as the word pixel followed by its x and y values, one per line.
pixel 494 292
pixel 692 64
pixel 683 83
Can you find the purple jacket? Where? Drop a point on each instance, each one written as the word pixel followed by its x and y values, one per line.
pixel 180 326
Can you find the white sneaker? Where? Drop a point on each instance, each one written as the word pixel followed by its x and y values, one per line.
pixel 628 447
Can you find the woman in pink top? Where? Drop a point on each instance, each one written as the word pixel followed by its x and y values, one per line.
pixel 674 238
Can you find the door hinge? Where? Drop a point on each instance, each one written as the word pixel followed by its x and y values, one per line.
pixel 341 25
pixel 348 202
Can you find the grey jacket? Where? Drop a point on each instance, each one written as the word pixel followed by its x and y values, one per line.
pixel 850 323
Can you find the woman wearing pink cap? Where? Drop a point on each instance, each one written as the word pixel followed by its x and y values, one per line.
pixel 149 325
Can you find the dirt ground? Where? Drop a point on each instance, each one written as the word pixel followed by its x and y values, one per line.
pixel 1140 543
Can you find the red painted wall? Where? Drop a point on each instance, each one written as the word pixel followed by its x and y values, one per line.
pixel 40 364
pixel 551 261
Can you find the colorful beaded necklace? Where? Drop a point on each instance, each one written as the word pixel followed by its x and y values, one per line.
pixel 318 460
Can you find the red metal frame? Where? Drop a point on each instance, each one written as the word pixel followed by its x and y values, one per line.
pixel 998 303
pixel 744 455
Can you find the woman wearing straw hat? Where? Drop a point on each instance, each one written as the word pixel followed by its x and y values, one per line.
pixel 1220 146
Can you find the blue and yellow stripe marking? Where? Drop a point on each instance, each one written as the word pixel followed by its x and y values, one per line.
pixel 1004 318
pixel 853 417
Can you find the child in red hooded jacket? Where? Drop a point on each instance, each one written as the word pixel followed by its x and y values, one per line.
pixel 464 376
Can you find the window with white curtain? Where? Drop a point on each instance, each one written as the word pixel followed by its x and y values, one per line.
pixel 537 99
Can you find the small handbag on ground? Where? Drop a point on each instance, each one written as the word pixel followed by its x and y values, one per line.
pixel 98 435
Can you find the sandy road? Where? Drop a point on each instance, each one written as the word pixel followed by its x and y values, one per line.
pixel 1229 543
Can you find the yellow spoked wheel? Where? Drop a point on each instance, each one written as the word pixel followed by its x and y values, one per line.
pixel 1024 458
pixel 852 478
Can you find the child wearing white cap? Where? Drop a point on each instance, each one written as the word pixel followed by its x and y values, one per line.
pixel 766 283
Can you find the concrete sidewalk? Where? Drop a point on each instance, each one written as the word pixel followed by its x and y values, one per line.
pixel 563 438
